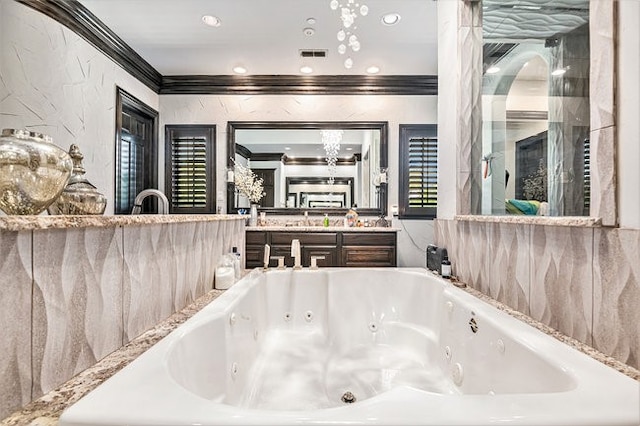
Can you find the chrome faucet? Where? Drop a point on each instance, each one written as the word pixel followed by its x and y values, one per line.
pixel 295 253
pixel 163 207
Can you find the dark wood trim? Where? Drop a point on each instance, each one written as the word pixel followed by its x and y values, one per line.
pixel 266 156
pixel 125 99
pixel 243 151
pixel 308 161
pixel 73 15
pixel 383 126
pixel 300 85
pixel 181 130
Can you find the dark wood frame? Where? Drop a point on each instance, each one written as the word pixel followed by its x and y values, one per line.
pixel 405 131
pixel 382 126
pixel 123 98
pixel 320 180
pixel 211 167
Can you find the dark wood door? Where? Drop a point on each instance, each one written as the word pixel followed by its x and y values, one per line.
pixel 268 183
pixel 136 153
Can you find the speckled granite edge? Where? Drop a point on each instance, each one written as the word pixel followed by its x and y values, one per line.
pixel 320 228
pixel 535 220
pixel 46 410
pixel 25 223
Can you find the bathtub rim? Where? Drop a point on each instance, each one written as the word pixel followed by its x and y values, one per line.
pixel 294 416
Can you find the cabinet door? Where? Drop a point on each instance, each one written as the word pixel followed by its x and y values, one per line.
pixel 330 254
pixel 368 256
pixel 253 256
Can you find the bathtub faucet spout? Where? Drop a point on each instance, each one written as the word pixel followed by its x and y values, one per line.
pixel 295 253
pixel 163 208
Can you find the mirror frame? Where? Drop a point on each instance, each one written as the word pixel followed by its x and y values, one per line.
pixel 382 126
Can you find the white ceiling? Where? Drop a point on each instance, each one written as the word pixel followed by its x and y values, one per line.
pixel 265 36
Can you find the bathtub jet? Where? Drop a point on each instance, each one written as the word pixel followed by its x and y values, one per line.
pixel 358 346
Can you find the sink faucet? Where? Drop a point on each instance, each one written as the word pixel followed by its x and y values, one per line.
pixel 163 208
pixel 295 253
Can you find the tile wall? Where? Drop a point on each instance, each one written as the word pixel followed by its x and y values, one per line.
pixel 72 296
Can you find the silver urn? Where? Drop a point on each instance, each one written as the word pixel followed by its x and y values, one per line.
pixel 79 196
pixel 33 172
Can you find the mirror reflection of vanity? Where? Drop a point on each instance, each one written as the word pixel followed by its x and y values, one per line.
pixel 291 158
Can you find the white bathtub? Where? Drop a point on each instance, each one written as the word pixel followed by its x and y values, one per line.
pixel 283 347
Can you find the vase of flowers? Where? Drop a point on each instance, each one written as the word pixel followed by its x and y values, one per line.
pixel 250 186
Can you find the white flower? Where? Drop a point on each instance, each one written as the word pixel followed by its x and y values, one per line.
pixel 247 183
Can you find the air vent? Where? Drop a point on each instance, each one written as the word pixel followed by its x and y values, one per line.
pixel 318 53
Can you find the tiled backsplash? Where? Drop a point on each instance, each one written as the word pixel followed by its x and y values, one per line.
pixel 71 296
pixel 582 281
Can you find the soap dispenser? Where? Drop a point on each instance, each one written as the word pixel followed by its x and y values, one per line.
pixel 325 222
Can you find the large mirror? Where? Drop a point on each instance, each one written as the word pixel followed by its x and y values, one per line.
pixel 535 103
pixel 319 167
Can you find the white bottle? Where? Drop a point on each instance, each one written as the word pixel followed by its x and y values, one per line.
pixel 237 266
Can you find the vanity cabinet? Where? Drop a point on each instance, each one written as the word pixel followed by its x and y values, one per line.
pixel 339 248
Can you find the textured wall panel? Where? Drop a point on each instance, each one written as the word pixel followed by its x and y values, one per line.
pixel 509 257
pixel 603 176
pixel 562 279
pixel 15 320
pixel 603 64
pixel 149 277
pixel 77 316
pixel 616 327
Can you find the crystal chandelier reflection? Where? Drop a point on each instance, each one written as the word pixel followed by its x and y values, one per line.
pixel 331 141
pixel 349 12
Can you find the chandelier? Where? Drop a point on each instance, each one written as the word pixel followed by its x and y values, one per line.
pixel 331 141
pixel 349 11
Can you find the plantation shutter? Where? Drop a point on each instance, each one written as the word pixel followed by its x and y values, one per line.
pixel 586 176
pixel 419 146
pixel 190 169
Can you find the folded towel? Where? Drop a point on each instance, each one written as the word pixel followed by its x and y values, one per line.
pixel 528 207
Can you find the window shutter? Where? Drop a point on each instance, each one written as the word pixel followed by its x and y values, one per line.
pixel 423 172
pixel 189 172
pixel 190 168
pixel 418 171
pixel 586 176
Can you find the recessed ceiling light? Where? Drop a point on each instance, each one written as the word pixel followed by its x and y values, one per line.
pixel 287 148
pixel 390 18
pixel 308 31
pixel 311 21
pixel 373 70
pixel 212 21
pixel 305 69
pixel 493 69
pixel 240 70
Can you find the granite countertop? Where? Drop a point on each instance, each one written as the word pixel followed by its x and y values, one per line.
pixel 25 223
pixel 46 410
pixel 321 228
pixel 535 220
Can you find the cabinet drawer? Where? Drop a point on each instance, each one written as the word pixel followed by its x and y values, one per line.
pixel 368 256
pixel 306 238
pixel 253 256
pixel 367 238
pixel 256 237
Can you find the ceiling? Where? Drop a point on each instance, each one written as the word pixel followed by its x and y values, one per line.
pixel 266 36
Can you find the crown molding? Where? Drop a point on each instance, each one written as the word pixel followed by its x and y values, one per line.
pixel 300 85
pixel 73 15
